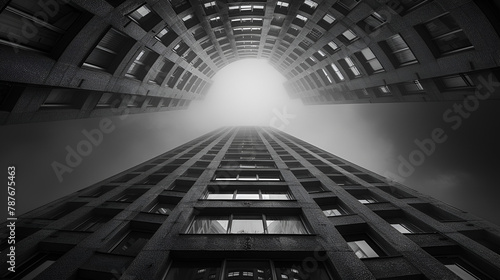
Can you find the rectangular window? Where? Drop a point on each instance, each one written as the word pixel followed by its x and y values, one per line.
pixel 141 64
pixel 64 99
pixel 109 52
pixel 398 51
pixel 370 61
pixel 456 82
pixel 247 224
pixel 247 176
pixel 245 269
pixel 333 210
pixel 362 249
pixel 403 225
pixel 345 6
pixel 372 22
pixel 247 194
pixel 407 6
pixel 313 187
pixel 334 70
pixel 145 17
pixel 436 213
pixel 348 36
pixel 395 192
pixel 444 36
pixel 132 243
pixel 166 36
pixel 27 26
pixel 33 267
pixel 414 87
pixel 161 208
pixel 327 21
pixel 462 268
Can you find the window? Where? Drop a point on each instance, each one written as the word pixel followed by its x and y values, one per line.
pixel 246 9
pixel 327 21
pixel 33 267
pixel 372 64
pixel 403 225
pixel 245 269
pixel 61 211
pixel 362 249
pixel 334 70
pixel 210 4
pixel 382 91
pixel 366 198
pixel 190 20
pixel 20 18
pixel 127 197
pixel 345 6
pixel 313 187
pixel 342 180
pixel 247 224
pixel 407 6
pixel 414 87
pixel 247 194
pixel 181 186
pixel 309 6
pixel 462 268
pixel 109 52
pixel 141 65
pixel 372 22
pixel 247 176
pixel 333 210
pixel 456 82
pixel 180 6
pixel 436 212
pixel 163 71
pixel 64 99
pixel 398 51
pixel 302 174
pixel 351 67
pixel 91 223
pixel 162 208
pixel 397 193
pixel 281 7
pixel 145 17
pixel 166 36
pixel 348 36
pixel 124 178
pixel 152 179
pixel 300 20
pixel 444 36
pixel 132 243
pixel 282 4
pixel 247 164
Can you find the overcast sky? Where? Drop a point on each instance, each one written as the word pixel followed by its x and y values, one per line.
pixel 461 171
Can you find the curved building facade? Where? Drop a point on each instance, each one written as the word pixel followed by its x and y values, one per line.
pixel 77 59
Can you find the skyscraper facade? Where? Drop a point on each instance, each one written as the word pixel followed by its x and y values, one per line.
pixel 80 59
pixel 251 203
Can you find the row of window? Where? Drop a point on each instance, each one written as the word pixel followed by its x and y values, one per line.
pixel 443 35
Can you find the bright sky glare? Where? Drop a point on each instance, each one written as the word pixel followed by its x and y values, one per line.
pixel 246 92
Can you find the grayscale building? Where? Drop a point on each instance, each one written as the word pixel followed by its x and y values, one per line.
pixel 251 203
pixel 79 59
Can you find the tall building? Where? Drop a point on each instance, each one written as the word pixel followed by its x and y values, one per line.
pixel 251 203
pixel 63 59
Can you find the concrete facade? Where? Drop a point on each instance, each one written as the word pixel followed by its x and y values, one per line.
pixel 62 59
pixel 252 203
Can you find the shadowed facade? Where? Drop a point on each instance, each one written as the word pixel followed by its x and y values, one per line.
pixel 79 59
